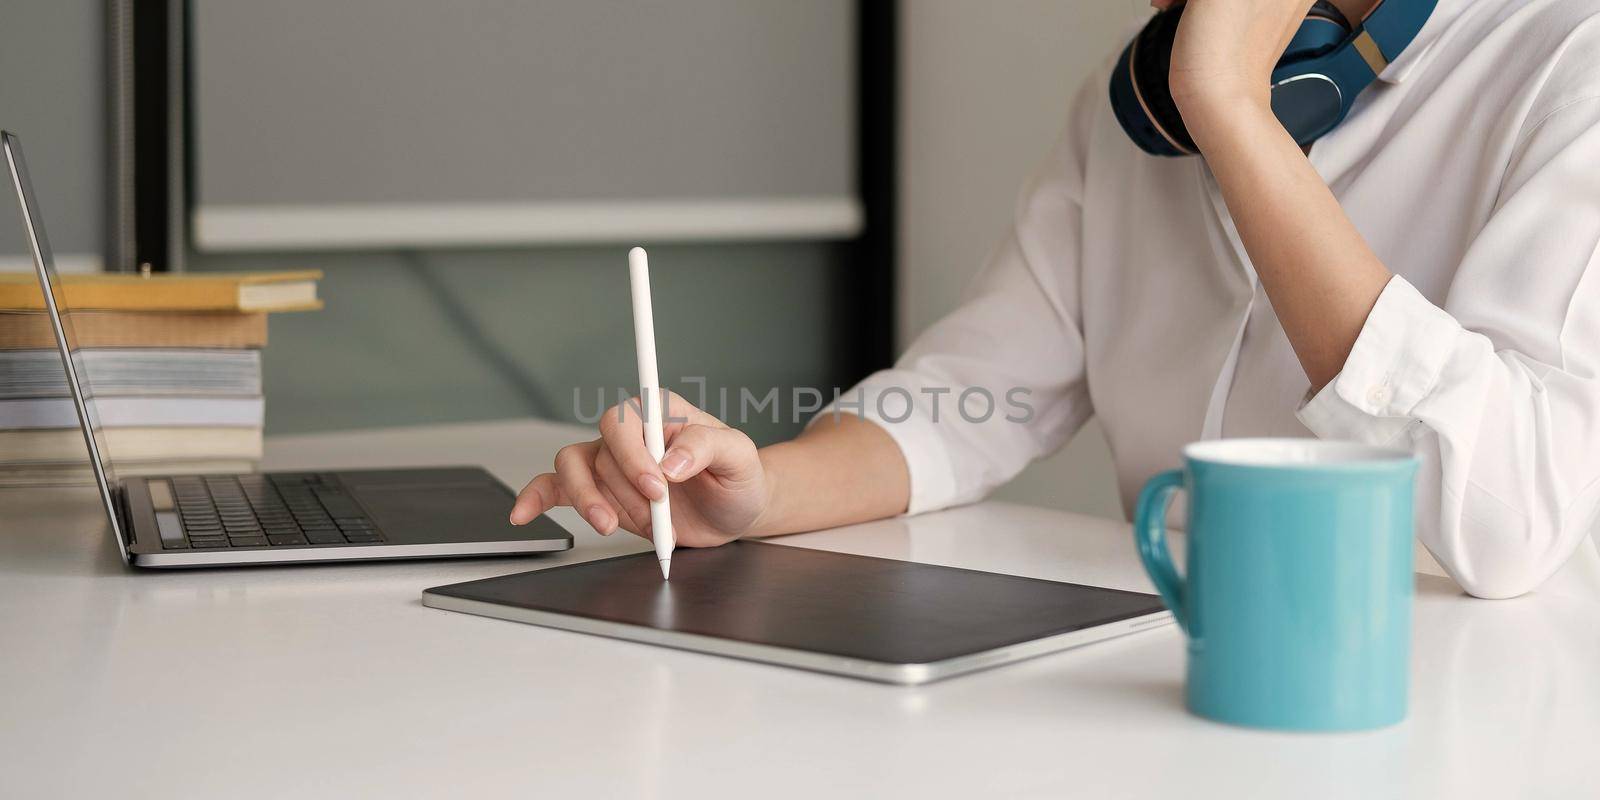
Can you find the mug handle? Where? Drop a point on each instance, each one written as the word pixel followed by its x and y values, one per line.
pixel 1150 531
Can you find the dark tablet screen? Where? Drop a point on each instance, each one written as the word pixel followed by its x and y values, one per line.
pixel 874 609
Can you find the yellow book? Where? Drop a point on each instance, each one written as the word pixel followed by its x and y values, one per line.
pixel 65 445
pixel 194 291
pixel 30 330
pixel 22 475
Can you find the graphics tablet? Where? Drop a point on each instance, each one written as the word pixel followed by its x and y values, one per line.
pixel 874 618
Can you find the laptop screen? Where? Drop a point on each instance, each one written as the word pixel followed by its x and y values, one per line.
pixel 61 324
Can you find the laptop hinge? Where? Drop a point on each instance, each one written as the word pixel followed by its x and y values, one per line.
pixel 119 501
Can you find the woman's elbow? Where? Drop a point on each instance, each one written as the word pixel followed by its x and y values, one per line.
pixel 1503 560
pixel 1499 582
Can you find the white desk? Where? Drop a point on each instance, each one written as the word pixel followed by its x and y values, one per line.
pixel 334 681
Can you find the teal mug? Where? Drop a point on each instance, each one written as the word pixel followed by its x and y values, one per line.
pixel 1296 599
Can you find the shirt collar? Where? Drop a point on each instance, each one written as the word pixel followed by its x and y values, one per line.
pixel 1416 54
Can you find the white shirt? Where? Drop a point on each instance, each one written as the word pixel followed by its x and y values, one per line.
pixel 1472 169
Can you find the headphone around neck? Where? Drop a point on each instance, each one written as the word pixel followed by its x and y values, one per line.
pixel 1328 63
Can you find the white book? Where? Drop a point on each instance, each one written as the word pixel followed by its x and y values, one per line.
pixel 133 371
pixel 56 446
pixel 129 412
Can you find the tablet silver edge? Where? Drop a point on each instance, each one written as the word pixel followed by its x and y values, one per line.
pixel 902 674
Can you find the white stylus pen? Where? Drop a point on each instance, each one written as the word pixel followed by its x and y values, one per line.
pixel 652 400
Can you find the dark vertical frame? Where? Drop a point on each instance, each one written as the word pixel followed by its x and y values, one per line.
pixel 152 135
pixel 119 239
pixel 150 114
pixel 865 339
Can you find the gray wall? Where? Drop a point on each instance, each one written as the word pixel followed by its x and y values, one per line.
pixel 460 335
pixel 52 68
pixel 423 337
pixel 984 93
pixel 489 101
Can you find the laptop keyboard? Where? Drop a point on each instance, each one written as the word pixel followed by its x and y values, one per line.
pixel 287 510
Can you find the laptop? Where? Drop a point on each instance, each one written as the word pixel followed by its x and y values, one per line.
pixel 277 518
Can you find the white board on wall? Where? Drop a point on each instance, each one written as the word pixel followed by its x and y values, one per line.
pixel 369 123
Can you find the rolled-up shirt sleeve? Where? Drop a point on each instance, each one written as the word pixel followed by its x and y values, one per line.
pixel 999 381
pixel 1497 388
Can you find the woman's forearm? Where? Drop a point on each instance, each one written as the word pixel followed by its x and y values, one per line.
pixel 1316 268
pixel 842 470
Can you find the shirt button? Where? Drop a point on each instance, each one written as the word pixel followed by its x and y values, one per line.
pixel 1379 396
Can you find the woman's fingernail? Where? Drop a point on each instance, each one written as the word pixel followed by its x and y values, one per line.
pixel 674 463
pixel 516 518
pixel 599 519
pixel 654 488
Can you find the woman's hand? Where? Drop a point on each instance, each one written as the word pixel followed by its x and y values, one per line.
pixel 719 487
pixel 1224 55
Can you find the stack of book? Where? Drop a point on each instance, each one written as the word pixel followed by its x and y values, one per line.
pixel 172 362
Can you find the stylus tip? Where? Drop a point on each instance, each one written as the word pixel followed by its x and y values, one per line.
pixel 666 567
